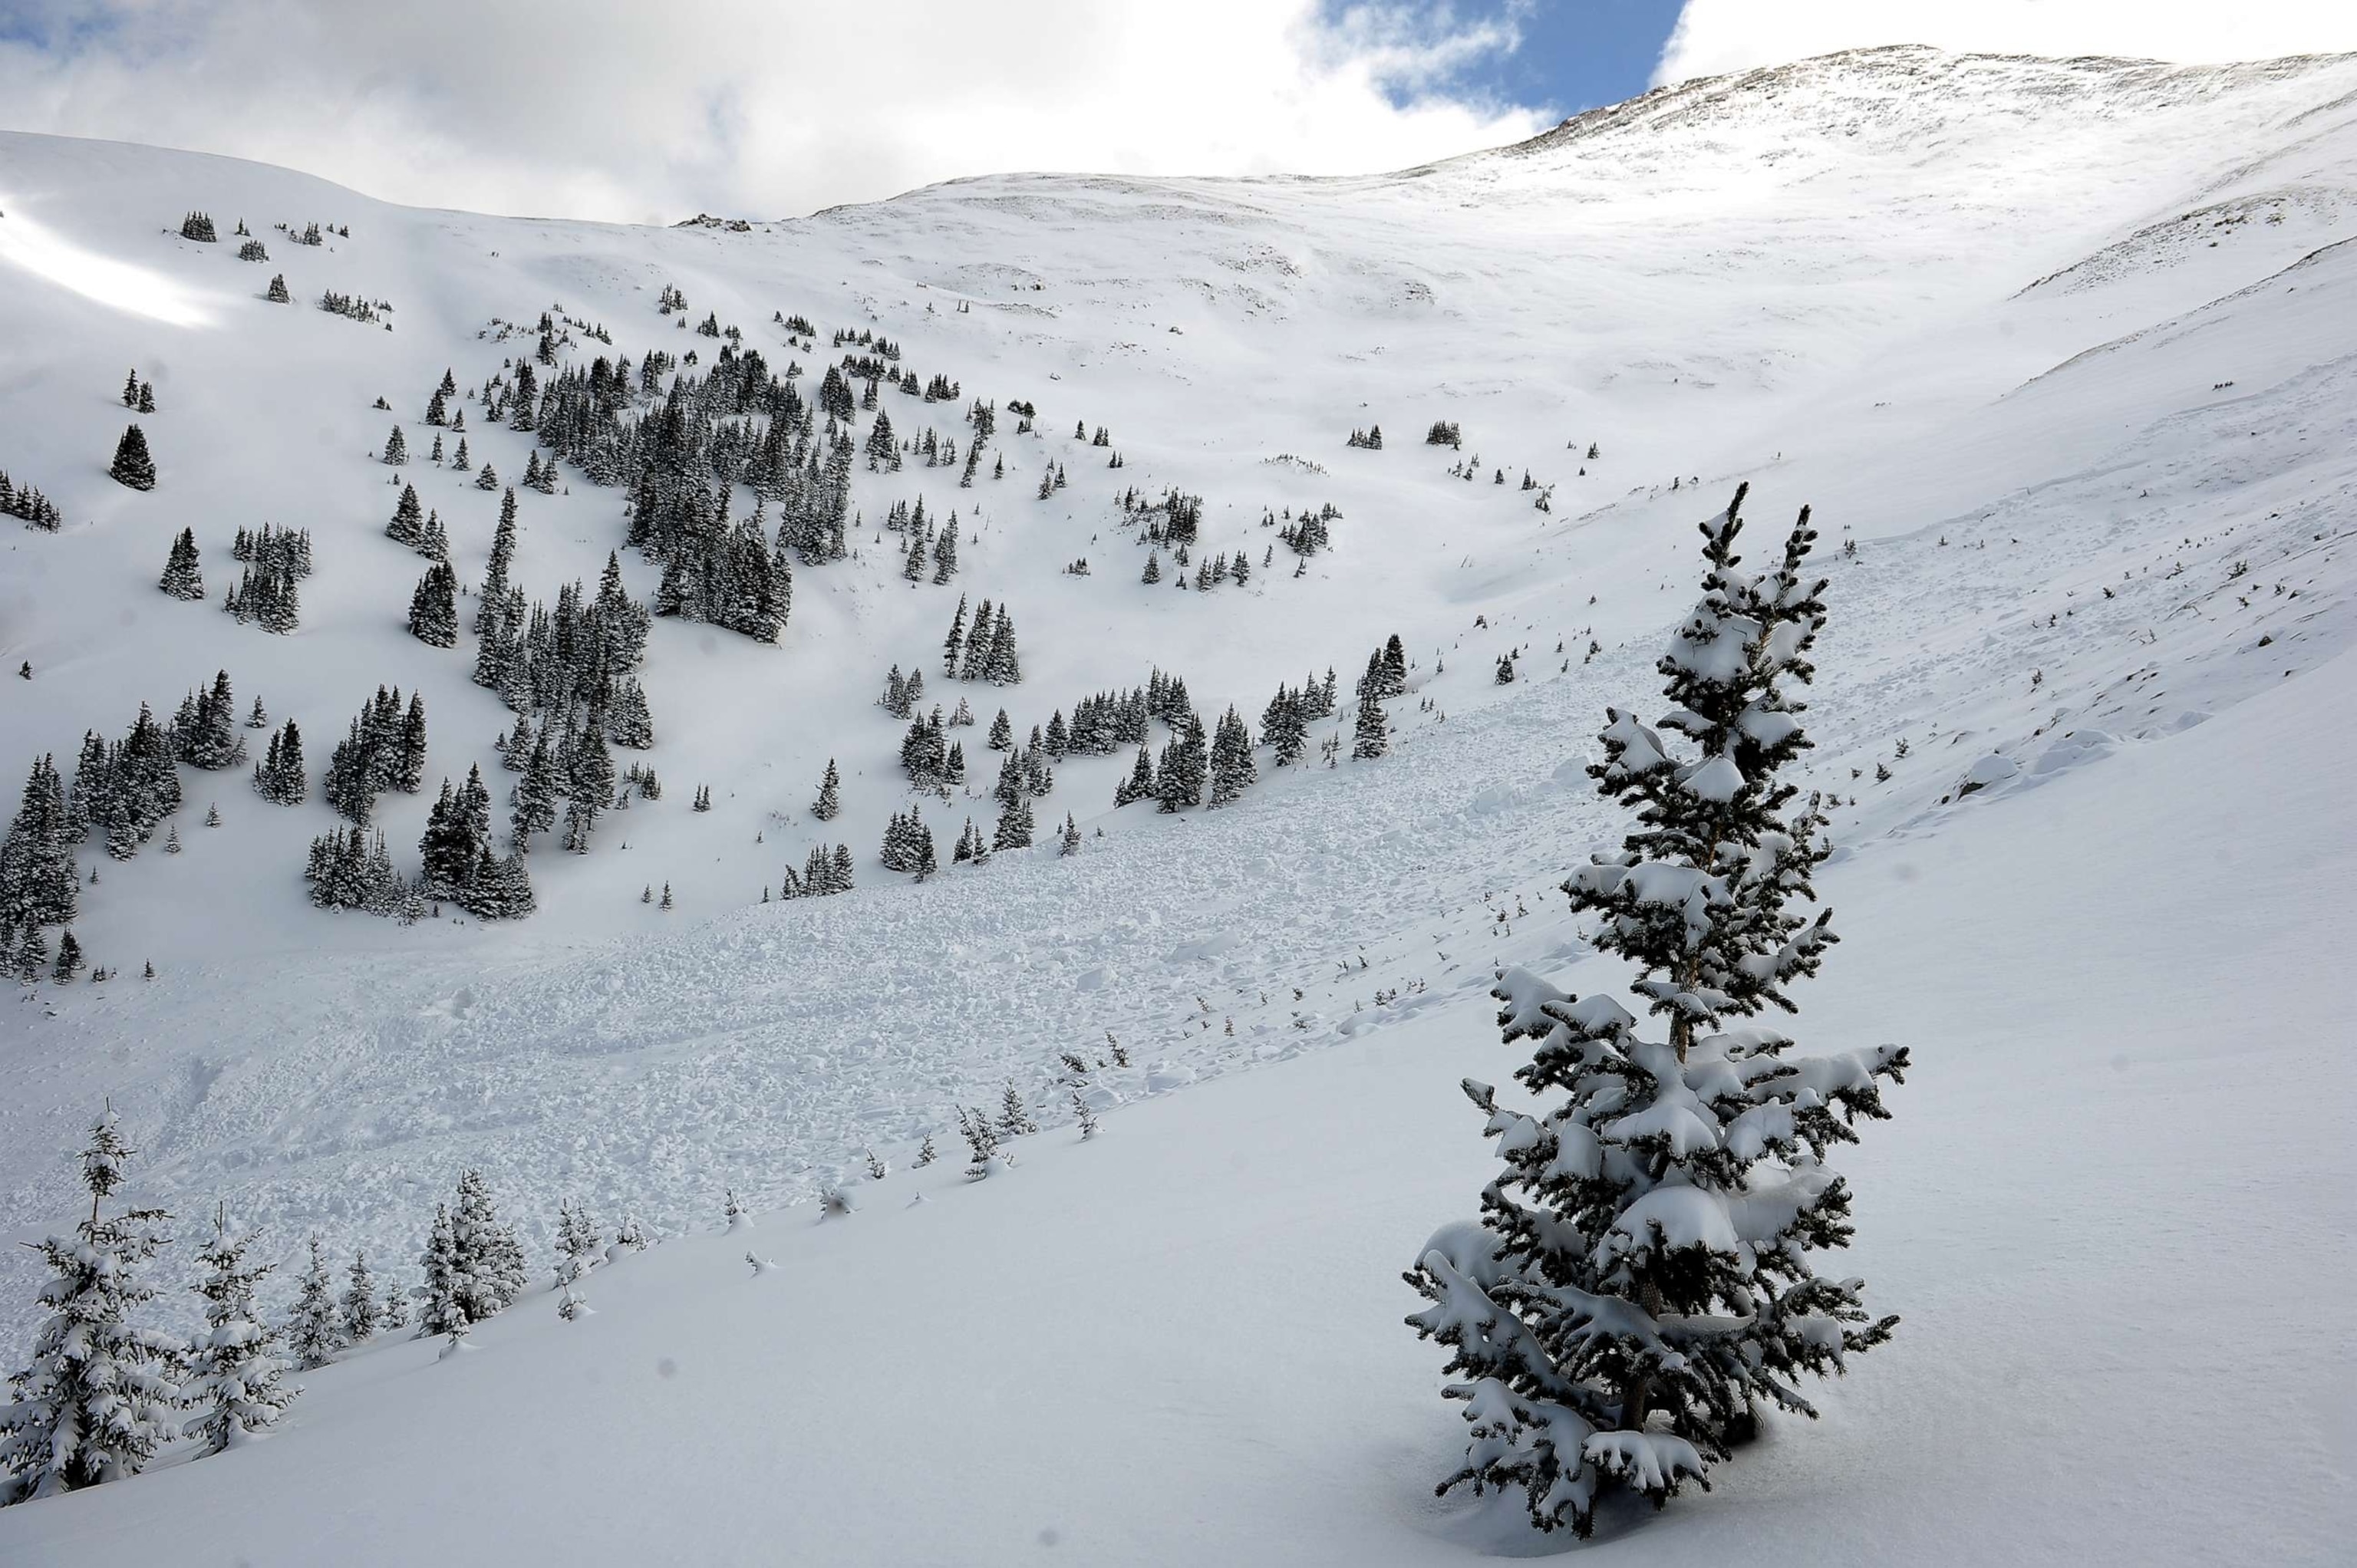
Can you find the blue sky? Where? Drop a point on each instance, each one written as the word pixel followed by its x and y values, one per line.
pixel 1574 54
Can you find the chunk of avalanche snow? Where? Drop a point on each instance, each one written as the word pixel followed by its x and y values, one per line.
pixel 1167 1075
pixel 1210 946
pixel 1989 771
pixel 2080 746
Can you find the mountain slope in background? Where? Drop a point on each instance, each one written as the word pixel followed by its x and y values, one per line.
pixel 2063 349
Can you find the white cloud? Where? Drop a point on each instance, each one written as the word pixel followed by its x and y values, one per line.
pixel 1715 35
pixel 623 109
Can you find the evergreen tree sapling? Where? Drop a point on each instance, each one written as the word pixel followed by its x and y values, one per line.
pixel 315 1332
pixel 1638 1283
pixel 235 1389
pixel 362 1313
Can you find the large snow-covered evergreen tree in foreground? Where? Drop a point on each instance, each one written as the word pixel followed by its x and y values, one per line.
pixel 1640 1280
pixel 94 1403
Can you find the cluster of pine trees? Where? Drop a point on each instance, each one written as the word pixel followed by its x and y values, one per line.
pixel 908 845
pixel 383 748
pixel 934 763
pixel 286 550
pixel 1372 440
pixel 279 777
pixel 722 574
pixel 1177 519
pixel 39 883
pixel 1100 725
pixel 1285 723
pixel 739 424
pixel 1307 534
pixel 102 1395
pixel 569 670
pixel 473 1264
pixel 458 861
pixel 352 868
pixel 986 650
pixel 421 531
pixel 824 870
pixel 205 730
pixel 26 503
pixel 925 542
pixel 199 226
pixel 275 560
pixel 266 597
pixel 1023 776
pixel 124 789
pixel 434 607
pixel 903 694
pixel 1214 570
pixel 352 306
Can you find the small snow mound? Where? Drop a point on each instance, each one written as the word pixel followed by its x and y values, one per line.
pixel 1987 773
pixel 1164 1076
pixel 1490 801
pixel 2072 750
pixel 1210 946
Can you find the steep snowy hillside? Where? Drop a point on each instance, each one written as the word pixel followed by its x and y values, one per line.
pixel 2064 355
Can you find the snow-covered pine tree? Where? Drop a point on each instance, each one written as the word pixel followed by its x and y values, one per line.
pixel 1639 1282
pixel 1003 667
pixel 577 1249
pixel 408 523
pixel 955 643
pixel 434 607
pixel 40 884
pixel 443 1296
pixel 133 467
pixel 395 1309
pixel 1232 769
pixel 94 1402
pixel 981 1141
pixel 1372 736
pixel 1016 824
pixel 363 1314
pixel 490 1261
pixel 1139 785
pixel 184 577
pixel 234 1387
pixel 830 796
pixel 1015 1120
pixel 314 1332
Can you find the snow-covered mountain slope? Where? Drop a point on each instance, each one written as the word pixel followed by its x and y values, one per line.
pixel 1181 1343
pixel 2065 350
